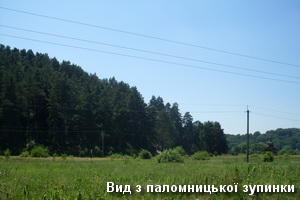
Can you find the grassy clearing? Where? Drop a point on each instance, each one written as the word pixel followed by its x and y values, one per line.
pixel 86 178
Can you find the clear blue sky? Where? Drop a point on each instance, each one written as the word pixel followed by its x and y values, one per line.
pixel 265 29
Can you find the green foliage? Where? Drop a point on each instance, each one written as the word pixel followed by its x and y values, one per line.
pixel 180 150
pixel 61 106
pixel 30 145
pixel 97 151
pixel 212 138
pixel 25 154
pixel 289 152
pixel 144 154
pixel 40 151
pixel 286 157
pixel 268 157
pixel 7 153
pixel 255 157
pixel 116 155
pixel 120 156
pixel 82 178
pixel 284 140
pixel 201 155
pixel 55 155
pixel 170 155
pixel 64 156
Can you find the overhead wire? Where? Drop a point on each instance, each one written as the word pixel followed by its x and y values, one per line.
pixel 163 54
pixel 150 59
pixel 151 37
pixel 272 116
pixel 273 110
pixel 151 52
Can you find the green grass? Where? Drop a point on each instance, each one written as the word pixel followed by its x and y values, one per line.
pixel 85 178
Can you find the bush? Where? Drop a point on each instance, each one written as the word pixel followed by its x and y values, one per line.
pixel 268 157
pixel 255 157
pixel 144 154
pixel 170 155
pixel 116 155
pixel 40 151
pixel 64 156
pixel 288 152
pixel 7 153
pixel 180 150
pixel 201 155
pixel 25 154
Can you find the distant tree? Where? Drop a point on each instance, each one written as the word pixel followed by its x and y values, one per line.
pixel 176 119
pixel 257 148
pixel 212 138
pixel 188 136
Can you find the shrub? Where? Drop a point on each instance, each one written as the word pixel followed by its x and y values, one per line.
pixel 25 154
pixel 40 151
pixel 144 154
pixel 288 152
pixel 170 155
pixel 201 155
pixel 255 157
pixel 64 156
pixel 180 150
pixel 116 155
pixel 7 153
pixel 268 157
pixel 83 152
pixel 55 155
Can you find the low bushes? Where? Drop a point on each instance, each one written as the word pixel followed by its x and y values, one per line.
pixel 144 154
pixel 201 155
pixel 25 154
pixel 7 153
pixel 170 155
pixel 268 157
pixel 40 151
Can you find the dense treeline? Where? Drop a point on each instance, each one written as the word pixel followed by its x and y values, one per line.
pixel 285 141
pixel 58 105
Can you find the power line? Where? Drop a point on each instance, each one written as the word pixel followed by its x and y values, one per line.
pixel 278 117
pixel 279 111
pixel 214 112
pixel 212 104
pixel 153 37
pixel 152 52
pixel 150 59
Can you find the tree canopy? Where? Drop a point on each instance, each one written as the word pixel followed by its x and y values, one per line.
pixel 60 106
pixel 283 139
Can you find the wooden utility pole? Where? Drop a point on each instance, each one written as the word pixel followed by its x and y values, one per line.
pixel 247 134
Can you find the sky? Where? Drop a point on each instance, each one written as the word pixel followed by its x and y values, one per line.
pixel 214 58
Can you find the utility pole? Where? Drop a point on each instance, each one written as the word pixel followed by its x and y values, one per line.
pixel 247 134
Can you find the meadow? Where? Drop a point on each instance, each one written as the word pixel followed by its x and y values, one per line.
pixel 86 178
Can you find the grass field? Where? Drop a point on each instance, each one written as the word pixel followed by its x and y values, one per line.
pixel 86 178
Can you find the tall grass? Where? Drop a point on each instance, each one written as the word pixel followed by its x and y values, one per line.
pixel 74 178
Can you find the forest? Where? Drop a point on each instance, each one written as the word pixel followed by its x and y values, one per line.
pixel 67 110
pixel 286 141
pixel 63 108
